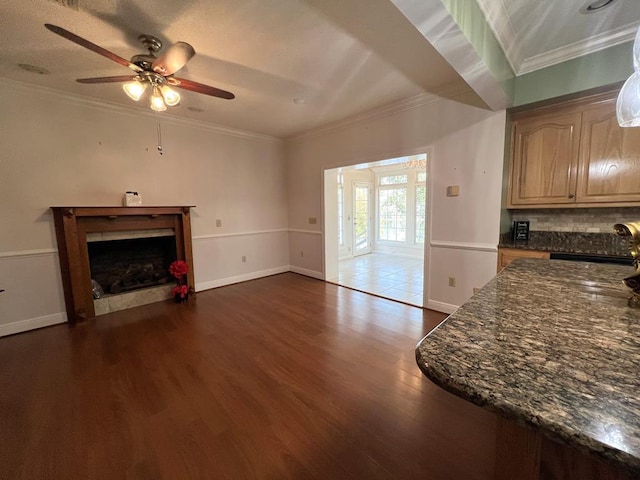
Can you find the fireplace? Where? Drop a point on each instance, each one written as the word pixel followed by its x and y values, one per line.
pixel 130 264
pixel 119 252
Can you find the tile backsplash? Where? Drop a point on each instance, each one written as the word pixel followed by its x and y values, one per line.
pixel 586 220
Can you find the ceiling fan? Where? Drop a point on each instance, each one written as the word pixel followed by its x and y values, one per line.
pixel 150 70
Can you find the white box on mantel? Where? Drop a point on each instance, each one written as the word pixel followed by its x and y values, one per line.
pixel 131 199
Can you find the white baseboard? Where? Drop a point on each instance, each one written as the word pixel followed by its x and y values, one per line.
pixel 32 323
pixel 221 282
pixel 441 306
pixel 306 272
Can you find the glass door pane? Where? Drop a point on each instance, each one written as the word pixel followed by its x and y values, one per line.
pixel 361 218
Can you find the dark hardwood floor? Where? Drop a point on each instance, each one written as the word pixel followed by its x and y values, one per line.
pixel 277 378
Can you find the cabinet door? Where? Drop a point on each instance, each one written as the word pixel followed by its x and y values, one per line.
pixel 609 158
pixel 545 159
pixel 508 255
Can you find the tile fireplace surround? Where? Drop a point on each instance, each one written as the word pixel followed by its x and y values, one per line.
pixel 73 224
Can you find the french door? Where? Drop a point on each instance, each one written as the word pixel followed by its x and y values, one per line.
pixel 361 218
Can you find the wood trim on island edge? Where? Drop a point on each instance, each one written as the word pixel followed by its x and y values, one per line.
pixel 72 225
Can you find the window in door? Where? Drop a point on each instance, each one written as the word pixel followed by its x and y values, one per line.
pixel 340 209
pixel 392 208
pixel 361 218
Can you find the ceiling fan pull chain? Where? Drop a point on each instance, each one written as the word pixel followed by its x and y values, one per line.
pixel 159 137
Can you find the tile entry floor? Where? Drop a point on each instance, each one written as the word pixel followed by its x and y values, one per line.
pixel 391 276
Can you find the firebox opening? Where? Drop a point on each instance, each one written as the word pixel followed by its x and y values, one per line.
pixel 120 266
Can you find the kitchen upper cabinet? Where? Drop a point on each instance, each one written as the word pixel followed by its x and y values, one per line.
pixel 545 159
pixel 573 154
pixel 609 158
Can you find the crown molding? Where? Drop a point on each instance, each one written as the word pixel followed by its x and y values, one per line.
pixel 593 44
pixel 497 17
pixel 377 113
pixel 449 91
pixel 131 111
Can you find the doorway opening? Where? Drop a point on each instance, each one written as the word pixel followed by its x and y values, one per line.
pixel 376 227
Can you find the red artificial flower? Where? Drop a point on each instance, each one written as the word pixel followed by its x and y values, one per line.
pixel 182 290
pixel 178 269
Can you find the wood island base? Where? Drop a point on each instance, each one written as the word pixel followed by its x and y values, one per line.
pixel 525 454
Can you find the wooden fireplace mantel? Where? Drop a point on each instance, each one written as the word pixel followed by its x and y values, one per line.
pixel 74 223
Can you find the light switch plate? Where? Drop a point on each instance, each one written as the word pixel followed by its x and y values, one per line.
pixel 453 190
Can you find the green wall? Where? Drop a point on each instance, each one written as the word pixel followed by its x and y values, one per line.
pixel 614 64
pixel 597 69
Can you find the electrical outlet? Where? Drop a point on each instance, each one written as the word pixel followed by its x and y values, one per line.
pixel 244 258
pixel 452 281
pixel 218 223
pixel 313 221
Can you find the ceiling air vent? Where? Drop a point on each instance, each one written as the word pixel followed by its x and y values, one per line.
pixel 596 6
pixel 67 3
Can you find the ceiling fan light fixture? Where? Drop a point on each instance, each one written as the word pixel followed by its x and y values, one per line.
pixel 135 89
pixel 157 102
pixel 171 97
pixel 149 70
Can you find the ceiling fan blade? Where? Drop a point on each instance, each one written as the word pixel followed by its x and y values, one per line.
pixel 200 88
pixel 123 78
pixel 92 46
pixel 173 59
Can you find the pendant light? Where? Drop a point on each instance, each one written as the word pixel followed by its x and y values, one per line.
pixel 628 104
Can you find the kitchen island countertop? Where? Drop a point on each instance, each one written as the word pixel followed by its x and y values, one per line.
pixel 551 345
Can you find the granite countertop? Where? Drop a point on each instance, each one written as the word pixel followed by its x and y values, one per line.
pixel 553 345
pixel 608 244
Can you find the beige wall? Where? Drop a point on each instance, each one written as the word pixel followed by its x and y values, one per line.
pixel 60 150
pixel 467 146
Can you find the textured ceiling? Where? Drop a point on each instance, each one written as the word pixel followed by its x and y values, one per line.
pixel 340 57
